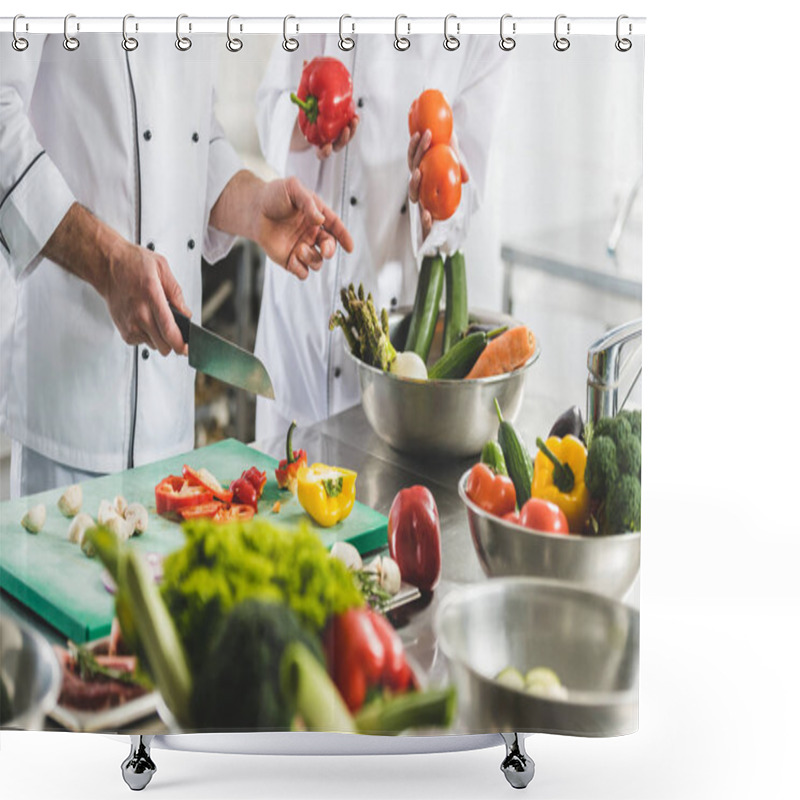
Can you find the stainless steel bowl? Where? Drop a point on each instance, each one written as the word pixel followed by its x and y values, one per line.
pixel 605 564
pixel 590 641
pixel 31 674
pixel 440 419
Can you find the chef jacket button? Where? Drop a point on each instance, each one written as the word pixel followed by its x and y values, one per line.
pixel 353 201
pixel 403 208
pixel 393 302
pixel 151 246
pixel 145 354
pixel 147 135
pixel 337 372
pixel 361 102
pixel 195 137
pixel 190 244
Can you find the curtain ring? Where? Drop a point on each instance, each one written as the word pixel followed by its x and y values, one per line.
pixel 18 42
pixel 71 43
pixel 401 43
pixel 345 42
pixel 128 42
pixel 507 42
pixel 451 42
pixel 233 44
pixel 289 44
pixel 623 45
pixel 561 43
pixel 183 43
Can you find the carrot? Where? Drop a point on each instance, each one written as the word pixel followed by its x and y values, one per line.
pixel 507 352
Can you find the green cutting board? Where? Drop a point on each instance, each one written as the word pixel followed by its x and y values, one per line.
pixel 53 578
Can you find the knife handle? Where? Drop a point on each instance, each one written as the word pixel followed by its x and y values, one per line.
pixel 182 321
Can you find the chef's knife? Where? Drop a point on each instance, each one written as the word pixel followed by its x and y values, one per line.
pixel 223 360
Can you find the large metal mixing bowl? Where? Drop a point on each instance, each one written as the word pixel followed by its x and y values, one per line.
pixel 440 419
pixel 30 672
pixel 590 641
pixel 604 564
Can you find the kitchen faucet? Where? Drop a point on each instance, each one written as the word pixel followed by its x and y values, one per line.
pixel 609 372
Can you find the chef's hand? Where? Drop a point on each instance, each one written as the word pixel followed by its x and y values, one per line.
pixel 417 147
pixel 139 290
pixel 293 226
pixel 299 141
pixel 136 284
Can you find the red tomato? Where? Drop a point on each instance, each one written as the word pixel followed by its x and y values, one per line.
pixel 175 493
pixel 542 515
pixel 430 111
pixel 493 493
pixel 512 516
pixel 204 510
pixel 440 184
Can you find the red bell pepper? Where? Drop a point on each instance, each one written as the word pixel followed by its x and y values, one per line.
pixel 364 652
pixel 175 493
pixel 415 537
pixel 257 478
pixel 325 97
pixel 493 493
pixel 203 477
pixel 202 510
pixel 286 472
pixel 234 512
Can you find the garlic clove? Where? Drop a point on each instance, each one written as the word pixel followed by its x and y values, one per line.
pixel 347 554
pixel 34 520
pixel 69 504
pixel 389 577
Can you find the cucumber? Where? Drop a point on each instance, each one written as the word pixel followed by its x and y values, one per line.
pixel 518 459
pixel 456 315
pixel 426 306
pixel 492 456
pixel 461 357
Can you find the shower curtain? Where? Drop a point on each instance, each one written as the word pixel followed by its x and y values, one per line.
pixel 424 522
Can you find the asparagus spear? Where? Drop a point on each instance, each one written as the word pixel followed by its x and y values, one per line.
pixel 366 331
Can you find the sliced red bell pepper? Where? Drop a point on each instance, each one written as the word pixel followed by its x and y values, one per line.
pixel 244 492
pixel 175 493
pixel 204 510
pixel 257 478
pixel 286 472
pixel 363 652
pixel 204 478
pixel 235 512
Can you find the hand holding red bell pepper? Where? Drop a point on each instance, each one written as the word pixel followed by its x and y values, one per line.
pixel 364 652
pixel 286 472
pixel 493 493
pixel 325 97
pixel 415 537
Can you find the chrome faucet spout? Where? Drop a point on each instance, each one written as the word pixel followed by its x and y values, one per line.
pixel 615 364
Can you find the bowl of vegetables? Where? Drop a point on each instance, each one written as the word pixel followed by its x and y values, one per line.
pixel 534 655
pixel 525 520
pixel 428 390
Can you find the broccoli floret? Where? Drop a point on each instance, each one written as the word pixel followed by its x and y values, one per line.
pixel 623 506
pixel 238 686
pixel 605 426
pixel 634 420
pixel 629 456
pixel 601 466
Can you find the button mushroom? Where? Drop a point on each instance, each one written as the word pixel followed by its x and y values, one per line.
pixel 120 504
pixel 121 528
pixel 69 504
pixel 136 514
pixel 79 525
pixel 34 520
pixel 347 554
pixel 106 513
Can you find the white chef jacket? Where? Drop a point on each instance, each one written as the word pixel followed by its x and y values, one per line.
pixel 132 136
pixel 367 185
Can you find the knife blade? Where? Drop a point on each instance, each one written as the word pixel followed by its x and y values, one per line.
pixel 222 359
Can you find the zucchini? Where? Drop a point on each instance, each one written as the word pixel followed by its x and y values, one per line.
pixel 492 456
pixel 456 315
pixel 461 357
pixel 426 306
pixel 518 459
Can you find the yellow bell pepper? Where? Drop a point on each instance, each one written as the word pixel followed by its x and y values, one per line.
pixel 327 494
pixel 558 472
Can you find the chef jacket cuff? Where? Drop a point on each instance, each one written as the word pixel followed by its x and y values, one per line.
pixel 30 212
pixel 223 164
pixel 446 236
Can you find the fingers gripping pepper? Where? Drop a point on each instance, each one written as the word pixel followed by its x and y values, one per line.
pixel 558 476
pixel 325 97
pixel 286 472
